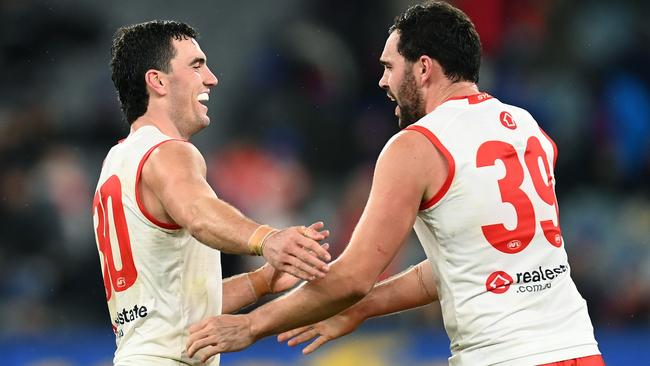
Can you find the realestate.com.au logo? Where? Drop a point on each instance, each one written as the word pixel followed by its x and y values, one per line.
pixel 529 281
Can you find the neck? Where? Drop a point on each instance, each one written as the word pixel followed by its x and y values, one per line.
pixel 452 90
pixel 161 121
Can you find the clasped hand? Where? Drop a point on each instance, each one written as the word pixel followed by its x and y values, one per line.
pixel 295 250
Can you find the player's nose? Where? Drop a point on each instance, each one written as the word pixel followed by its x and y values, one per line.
pixel 210 79
pixel 383 82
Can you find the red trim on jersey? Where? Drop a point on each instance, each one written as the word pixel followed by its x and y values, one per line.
pixel 473 98
pixel 138 199
pixel 554 147
pixel 450 162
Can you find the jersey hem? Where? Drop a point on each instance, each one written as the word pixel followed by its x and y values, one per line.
pixel 553 356
pixel 527 353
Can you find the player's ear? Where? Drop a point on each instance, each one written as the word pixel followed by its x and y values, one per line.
pixel 428 69
pixel 156 82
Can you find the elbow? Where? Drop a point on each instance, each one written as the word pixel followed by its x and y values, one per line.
pixel 357 289
pixel 350 284
pixel 196 227
pixel 363 288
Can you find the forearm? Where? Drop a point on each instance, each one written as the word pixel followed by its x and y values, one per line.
pixel 245 289
pixel 311 302
pixel 407 290
pixel 220 226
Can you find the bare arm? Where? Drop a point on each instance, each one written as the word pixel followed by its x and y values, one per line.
pixel 407 171
pixel 240 290
pixel 175 173
pixel 247 288
pixel 410 289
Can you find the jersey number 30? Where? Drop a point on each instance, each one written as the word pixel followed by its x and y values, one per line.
pixel 114 279
pixel 516 240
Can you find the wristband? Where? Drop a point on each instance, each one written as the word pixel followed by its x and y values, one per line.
pixel 258 284
pixel 258 238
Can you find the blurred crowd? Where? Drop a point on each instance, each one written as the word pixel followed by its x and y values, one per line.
pixel 297 123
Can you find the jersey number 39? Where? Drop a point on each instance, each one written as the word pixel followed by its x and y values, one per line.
pixel 516 240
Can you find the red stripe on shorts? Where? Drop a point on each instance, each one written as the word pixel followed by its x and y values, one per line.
pixel 595 360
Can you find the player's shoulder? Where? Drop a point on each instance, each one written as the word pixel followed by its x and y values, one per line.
pixel 413 143
pixel 175 154
pixel 516 110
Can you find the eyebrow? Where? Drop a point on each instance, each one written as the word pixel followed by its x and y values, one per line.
pixel 199 60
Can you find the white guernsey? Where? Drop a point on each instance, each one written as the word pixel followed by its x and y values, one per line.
pixel 158 278
pixel 493 239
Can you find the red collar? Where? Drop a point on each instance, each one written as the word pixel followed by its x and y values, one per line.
pixel 472 99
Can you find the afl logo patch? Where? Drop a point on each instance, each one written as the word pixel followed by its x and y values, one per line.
pixel 498 282
pixel 507 120
pixel 514 245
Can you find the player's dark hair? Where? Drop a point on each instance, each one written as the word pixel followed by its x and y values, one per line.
pixel 444 33
pixel 136 49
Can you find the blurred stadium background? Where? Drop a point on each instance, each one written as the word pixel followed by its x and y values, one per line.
pixel 297 122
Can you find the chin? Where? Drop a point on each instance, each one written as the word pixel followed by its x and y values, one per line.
pixel 204 121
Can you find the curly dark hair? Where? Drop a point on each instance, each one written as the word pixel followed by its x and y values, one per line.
pixel 138 48
pixel 444 33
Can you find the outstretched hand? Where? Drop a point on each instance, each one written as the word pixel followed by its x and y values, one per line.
pixel 324 331
pixel 219 334
pixel 296 251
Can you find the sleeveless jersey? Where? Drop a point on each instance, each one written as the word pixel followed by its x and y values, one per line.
pixel 158 279
pixel 493 239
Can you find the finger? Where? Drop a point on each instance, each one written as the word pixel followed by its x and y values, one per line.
pixel 291 333
pixel 198 344
pixel 303 265
pixel 325 246
pixel 314 345
pixel 316 253
pixel 196 336
pixel 311 233
pixel 297 272
pixel 198 326
pixel 303 337
pixel 318 225
pixel 209 352
pixel 317 228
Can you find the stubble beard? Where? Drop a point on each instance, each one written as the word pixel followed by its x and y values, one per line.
pixel 411 105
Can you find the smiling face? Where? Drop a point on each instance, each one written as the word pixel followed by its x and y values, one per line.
pixel 190 82
pixel 399 82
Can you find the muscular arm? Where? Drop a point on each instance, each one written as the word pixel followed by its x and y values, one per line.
pixel 174 185
pixel 408 171
pixel 175 173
